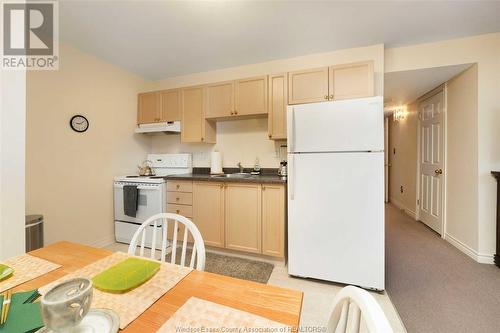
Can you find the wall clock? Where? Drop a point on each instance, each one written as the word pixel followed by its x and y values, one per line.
pixel 79 123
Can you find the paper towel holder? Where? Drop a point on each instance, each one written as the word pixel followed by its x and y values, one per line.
pixel 216 163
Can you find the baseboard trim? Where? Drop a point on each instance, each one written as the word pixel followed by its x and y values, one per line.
pixel 398 204
pixel 479 257
pixel 103 242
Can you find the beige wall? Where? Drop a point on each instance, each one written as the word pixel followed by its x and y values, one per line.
pixel 12 162
pixel 69 175
pixel 485 51
pixel 244 140
pixel 461 157
pixel 403 169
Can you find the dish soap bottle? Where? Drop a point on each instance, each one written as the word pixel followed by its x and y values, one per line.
pixel 256 168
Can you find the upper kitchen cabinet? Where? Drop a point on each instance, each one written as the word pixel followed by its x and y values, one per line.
pixel 351 81
pixel 331 83
pixel 278 96
pixel 194 127
pixel 220 100
pixel 308 86
pixel 148 108
pixel 170 105
pixel 251 96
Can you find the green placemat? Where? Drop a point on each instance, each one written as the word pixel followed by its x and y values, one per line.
pixel 125 276
pixel 5 272
pixel 23 316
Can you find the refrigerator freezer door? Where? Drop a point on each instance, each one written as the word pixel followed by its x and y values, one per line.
pixel 349 125
pixel 336 217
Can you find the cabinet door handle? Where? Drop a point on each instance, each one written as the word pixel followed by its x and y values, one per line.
pixel 331 97
pixel 177 211
pixel 291 180
pixel 235 112
pixel 178 186
pixel 177 199
pixel 270 136
pixel 263 188
pixel 202 139
pixel 326 97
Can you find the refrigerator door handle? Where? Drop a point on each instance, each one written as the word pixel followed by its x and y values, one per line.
pixel 292 143
pixel 291 179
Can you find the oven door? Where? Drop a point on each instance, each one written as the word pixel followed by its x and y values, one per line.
pixel 150 201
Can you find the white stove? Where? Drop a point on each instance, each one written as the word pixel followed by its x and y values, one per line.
pixel 140 179
pixel 152 194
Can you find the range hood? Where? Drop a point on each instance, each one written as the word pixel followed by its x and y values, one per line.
pixel 168 127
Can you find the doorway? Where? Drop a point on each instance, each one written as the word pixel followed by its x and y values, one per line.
pixel 415 102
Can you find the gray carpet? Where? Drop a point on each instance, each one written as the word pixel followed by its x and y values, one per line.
pixel 239 268
pixel 434 286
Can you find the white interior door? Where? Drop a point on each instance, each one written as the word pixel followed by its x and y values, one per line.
pixel 431 161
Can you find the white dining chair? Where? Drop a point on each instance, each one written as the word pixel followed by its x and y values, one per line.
pixel 355 310
pixel 152 224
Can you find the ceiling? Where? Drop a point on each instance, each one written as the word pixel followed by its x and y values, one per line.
pixel 406 86
pixel 160 39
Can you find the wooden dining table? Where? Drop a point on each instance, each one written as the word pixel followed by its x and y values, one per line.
pixel 275 303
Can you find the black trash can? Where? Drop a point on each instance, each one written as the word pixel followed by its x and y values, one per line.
pixel 34 232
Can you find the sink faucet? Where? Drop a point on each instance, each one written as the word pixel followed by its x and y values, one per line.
pixel 240 166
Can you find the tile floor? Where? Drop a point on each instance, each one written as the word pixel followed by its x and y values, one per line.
pixel 318 295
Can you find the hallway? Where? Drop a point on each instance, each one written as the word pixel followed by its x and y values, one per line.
pixel 434 286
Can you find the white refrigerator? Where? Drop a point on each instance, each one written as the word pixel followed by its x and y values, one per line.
pixel 336 191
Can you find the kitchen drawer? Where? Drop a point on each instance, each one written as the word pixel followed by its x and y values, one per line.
pixel 179 185
pixel 181 198
pixel 183 210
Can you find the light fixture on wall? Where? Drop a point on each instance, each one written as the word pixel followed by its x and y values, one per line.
pixel 399 113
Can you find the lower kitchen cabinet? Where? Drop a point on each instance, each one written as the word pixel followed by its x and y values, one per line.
pixel 243 217
pixel 247 217
pixel 273 220
pixel 208 211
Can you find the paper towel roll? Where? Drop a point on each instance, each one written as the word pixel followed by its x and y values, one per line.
pixel 216 162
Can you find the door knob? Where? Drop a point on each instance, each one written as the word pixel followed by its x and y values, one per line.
pixel 438 171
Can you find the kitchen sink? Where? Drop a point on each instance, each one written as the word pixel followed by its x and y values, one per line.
pixel 234 175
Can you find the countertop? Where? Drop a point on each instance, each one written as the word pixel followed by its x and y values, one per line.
pixel 268 176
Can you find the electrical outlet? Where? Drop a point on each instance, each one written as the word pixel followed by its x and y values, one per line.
pixel 401 189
